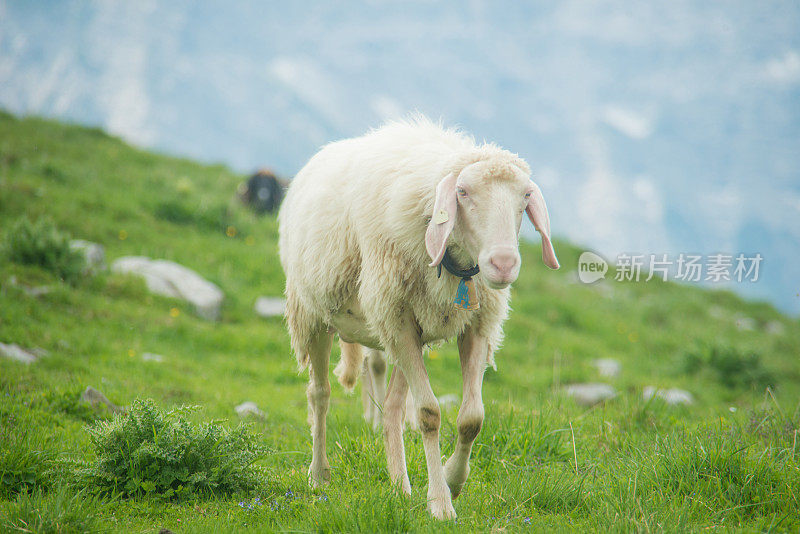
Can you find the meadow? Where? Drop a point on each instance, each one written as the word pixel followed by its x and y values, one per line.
pixel 727 462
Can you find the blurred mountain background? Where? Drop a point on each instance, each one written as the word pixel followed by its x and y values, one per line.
pixel 662 127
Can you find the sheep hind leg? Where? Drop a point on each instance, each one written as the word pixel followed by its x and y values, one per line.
pixel 318 393
pixel 376 371
pixel 367 392
pixel 411 414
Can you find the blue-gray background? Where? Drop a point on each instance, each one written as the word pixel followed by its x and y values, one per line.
pixel 652 127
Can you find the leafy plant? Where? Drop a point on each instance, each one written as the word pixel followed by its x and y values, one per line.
pixel 41 243
pixel 731 367
pixel 152 451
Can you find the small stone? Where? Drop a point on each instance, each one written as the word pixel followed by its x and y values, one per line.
pixel 94 255
pixel 94 398
pixel 270 306
pixel 608 367
pixel 15 352
pixel 716 312
pixel 745 323
pixel 672 396
pixel 448 401
pixel 775 328
pixel 31 291
pixel 591 393
pixel 152 357
pixel 249 408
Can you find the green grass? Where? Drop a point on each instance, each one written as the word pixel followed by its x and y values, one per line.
pixel 728 462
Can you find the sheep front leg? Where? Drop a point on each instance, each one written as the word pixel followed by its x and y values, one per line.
pixel 393 413
pixel 473 352
pixel 408 354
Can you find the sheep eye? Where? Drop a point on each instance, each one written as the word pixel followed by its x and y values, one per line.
pixel 462 192
pixel 527 195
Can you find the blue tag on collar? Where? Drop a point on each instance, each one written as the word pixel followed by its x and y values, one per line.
pixel 466 295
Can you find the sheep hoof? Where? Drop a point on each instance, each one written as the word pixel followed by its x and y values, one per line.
pixel 347 375
pixel 375 420
pixel 455 479
pixel 441 508
pixel 318 477
pixel 455 490
pixel 406 487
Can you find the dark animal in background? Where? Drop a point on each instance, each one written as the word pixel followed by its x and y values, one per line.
pixel 263 192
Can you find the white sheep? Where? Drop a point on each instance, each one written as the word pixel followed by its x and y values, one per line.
pixel 364 229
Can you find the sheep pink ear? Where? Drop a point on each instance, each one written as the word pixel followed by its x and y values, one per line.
pixel 443 218
pixel 537 213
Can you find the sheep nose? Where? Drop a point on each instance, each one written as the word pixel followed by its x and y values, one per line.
pixel 504 262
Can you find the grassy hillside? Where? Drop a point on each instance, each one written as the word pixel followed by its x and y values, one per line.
pixel 542 462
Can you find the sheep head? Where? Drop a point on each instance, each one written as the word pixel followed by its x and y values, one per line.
pixel 485 202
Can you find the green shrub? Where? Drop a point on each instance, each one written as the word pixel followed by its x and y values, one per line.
pixel 41 243
pixel 730 367
pixel 150 451
pixel 59 512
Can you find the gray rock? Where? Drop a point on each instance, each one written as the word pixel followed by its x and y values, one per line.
pixel 170 279
pixel 591 393
pixel 15 352
pixel 672 396
pixel 607 367
pixel 716 312
pixel 95 399
pixel 31 291
pixel 152 357
pixel 448 401
pixel 775 328
pixel 93 254
pixel 270 306
pixel 250 408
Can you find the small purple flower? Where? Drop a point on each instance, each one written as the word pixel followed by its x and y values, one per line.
pixel 289 494
pixel 527 520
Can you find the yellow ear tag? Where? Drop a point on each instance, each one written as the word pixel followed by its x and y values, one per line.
pixel 441 216
pixel 466 295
